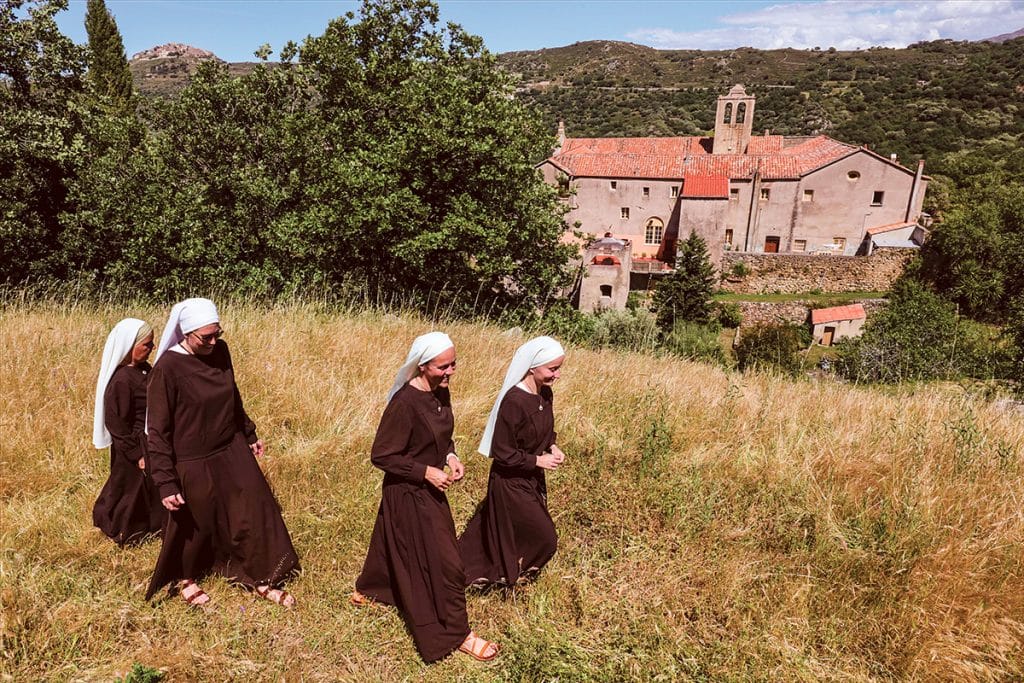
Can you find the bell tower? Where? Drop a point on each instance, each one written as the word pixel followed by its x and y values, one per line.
pixel 734 120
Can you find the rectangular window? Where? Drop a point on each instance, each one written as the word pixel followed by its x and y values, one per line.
pixel 839 244
pixel 674 192
pixel 808 195
pixel 728 237
pixel 877 197
pixel 612 184
pixel 734 194
pixel 799 245
pixel 647 193
pixel 624 212
pixel 765 192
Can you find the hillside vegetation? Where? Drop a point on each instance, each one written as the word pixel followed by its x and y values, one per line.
pixel 713 525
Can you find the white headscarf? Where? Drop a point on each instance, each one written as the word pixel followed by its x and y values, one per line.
pixel 424 348
pixel 186 316
pixel 533 354
pixel 120 342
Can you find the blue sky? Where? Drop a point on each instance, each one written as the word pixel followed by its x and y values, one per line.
pixel 233 29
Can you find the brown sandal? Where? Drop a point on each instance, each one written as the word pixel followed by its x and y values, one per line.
pixel 476 647
pixel 192 599
pixel 281 599
pixel 357 599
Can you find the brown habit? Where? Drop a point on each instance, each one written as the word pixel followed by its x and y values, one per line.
pixel 511 536
pixel 413 560
pixel 199 438
pixel 128 508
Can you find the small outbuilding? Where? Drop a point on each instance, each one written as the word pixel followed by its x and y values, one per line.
pixel 829 325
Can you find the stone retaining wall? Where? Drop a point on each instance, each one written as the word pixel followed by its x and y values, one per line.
pixel 796 273
pixel 797 312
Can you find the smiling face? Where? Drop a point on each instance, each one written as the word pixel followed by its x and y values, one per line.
pixel 141 351
pixel 202 341
pixel 439 369
pixel 546 375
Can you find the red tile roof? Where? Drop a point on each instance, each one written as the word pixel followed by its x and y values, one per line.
pixel 889 228
pixel 706 186
pixel 837 313
pixel 689 157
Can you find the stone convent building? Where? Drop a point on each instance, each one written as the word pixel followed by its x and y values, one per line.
pixel 739 191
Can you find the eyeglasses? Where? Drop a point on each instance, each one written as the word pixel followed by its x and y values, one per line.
pixel 207 338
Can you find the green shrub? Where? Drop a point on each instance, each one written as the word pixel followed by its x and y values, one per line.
pixel 565 323
pixel 632 330
pixel 728 314
pixel 771 346
pixel 695 342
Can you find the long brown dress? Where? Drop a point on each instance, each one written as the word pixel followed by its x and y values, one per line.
pixel 128 507
pixel 511 536
pixel 199 438
pixel 413 561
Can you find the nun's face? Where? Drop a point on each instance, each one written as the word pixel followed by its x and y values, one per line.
pixel 141 351
pixel 203 340
pixel 545 375
pixel 439 369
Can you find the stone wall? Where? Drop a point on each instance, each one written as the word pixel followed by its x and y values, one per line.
pixel 797 312
pixel 797 273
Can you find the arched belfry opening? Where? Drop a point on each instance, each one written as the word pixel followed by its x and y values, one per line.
pixel 734 121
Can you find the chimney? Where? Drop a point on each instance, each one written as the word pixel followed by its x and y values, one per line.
pixel 893 157
pixel 561 136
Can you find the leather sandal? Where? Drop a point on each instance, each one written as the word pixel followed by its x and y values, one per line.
pixel 357 599
pixel 476 647
pixel 275 595
pixel 192 600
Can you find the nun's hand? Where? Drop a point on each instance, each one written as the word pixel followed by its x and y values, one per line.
pixel 456 466
pixel 557 452
pixel 437 478
pixel 141 463
pixel 173 502
pixel 257 448
pixel 547 461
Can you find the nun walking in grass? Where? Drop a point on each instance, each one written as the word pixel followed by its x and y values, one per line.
pixel 511 537
pixel 413 560
pixel 203 449
pixel 128 508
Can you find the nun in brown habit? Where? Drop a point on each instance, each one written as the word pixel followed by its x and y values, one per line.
pixel 203 449
pixel 413 560
pixel 128 508
pixel 511 537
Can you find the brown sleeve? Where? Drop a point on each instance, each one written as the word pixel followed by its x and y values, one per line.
pixel 390 450
pixel 245 425
pixel 504 446
pixel 160 401
pixel 119 417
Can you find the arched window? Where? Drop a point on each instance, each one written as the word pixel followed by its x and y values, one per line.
pixel 728 113
pixel 741 112
pixel 653 231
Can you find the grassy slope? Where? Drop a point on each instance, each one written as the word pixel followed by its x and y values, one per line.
pixel 713 526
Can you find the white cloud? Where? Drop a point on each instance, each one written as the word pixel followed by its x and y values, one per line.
pixel 845 25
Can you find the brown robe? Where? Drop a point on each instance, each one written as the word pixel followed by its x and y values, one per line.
pixel 199 438
pixel 128 507
pixel 413 560
pixel 511 537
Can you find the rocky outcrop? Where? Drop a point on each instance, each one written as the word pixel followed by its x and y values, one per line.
pixel 174 50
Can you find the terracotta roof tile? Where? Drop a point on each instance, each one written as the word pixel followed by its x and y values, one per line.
pixel 837 313
pixel 689 156
pixel 889 228
pixel 706 186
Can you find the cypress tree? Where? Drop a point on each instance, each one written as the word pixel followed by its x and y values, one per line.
pixel 108 65
pixel 686 293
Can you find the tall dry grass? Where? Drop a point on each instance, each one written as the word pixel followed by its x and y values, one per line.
pixel 713 526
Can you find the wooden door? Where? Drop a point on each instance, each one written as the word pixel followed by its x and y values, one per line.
pixel 771 245
pixel 827 336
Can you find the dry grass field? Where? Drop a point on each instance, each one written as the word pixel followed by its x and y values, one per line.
pixel 714 526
